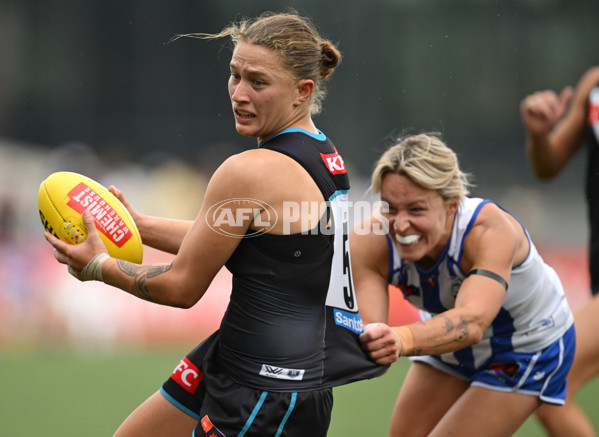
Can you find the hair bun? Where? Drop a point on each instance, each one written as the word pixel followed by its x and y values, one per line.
pixel 331 57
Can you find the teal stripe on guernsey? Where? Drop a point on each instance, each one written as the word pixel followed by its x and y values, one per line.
pixel 319 136
pixel 338 193
pixel 253 415
pixel 289 411
pixel 179 405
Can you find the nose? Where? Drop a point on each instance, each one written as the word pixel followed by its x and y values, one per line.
pixel 401 222
pixel 238 92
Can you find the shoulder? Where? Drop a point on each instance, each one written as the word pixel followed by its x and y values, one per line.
pixel 491 215
pixel 495 231
pixel 253 169
pixel 493 225
pixel 254 159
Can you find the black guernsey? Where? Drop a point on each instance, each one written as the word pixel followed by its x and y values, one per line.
pixel 592 185
pixel 292 323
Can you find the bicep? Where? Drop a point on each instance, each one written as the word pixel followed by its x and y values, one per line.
pixel 480 297
pixel 494 245
pixel 215 234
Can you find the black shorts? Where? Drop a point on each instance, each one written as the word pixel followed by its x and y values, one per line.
pixel 226 408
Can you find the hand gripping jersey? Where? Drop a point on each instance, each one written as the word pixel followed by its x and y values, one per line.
pixel 534 314
pixel 292 323
pixel 592 186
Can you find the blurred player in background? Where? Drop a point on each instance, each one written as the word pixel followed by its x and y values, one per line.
pixel 555 133
pixel 290 332
pixel 496 336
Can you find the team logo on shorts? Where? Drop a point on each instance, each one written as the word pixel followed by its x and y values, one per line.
pixel 187 375
pixel 209 429
pixel 509 369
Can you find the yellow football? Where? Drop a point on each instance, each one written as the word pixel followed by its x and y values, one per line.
pixel 63 197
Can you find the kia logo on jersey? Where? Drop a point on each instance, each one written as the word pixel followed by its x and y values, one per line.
pixel 187 375
pixel 334 162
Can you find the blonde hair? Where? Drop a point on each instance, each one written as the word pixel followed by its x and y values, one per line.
pixel 304 53
pixel 428 162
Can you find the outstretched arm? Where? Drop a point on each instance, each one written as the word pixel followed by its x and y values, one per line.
pixel 554 135
pixel 202 254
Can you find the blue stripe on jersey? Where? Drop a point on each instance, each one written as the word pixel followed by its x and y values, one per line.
pixel 338 193
pixel 503 328
pixel 429 283
pixel 289 410
pixel 390 249
pixel 254 414
pixel 466 359
pixel 468 228
pixel 179 405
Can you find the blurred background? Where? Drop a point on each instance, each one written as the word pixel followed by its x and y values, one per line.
pixel 95 87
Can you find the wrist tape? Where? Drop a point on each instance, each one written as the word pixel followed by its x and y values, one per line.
pixel 93 270
pixel 406 340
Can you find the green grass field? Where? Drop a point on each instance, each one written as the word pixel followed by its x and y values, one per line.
pixel 66 394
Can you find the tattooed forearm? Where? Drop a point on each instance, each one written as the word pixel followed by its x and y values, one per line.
pixel 462 330
pixel 448 325
pixel 140 274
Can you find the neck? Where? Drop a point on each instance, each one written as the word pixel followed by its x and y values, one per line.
pixel 305 122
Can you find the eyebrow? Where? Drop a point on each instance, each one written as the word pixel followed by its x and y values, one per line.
pixel 254 71
pixel 409 204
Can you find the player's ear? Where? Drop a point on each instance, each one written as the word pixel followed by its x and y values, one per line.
pixel 305 87
pixel 452 206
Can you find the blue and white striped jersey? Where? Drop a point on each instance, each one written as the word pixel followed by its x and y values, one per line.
pixel 534 314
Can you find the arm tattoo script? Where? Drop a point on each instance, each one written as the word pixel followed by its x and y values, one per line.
pixel 141 274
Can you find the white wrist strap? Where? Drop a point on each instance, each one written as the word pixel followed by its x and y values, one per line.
pixel 93 270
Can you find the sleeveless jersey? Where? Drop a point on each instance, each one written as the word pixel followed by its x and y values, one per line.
pixel 292 323
pixel 533 315
pixel 592 186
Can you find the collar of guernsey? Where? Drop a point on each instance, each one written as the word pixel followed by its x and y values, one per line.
pixel 319 136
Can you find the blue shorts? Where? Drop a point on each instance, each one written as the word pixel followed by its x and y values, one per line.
pixel 542 374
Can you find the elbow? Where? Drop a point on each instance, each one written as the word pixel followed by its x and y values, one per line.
pixel 476 331
pixel 182 296
pixel 468 334
pixel 185 300
pixel 545 173
pixel 476 335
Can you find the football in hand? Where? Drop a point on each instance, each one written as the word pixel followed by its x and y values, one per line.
pixel 63 197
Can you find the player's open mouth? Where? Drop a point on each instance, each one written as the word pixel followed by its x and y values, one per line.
pixel 408 239
pixel 243 114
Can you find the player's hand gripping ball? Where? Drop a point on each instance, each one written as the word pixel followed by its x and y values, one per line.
pixel 63 197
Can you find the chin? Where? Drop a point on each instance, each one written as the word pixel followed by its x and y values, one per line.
pixel 245 130
pixel 410 253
